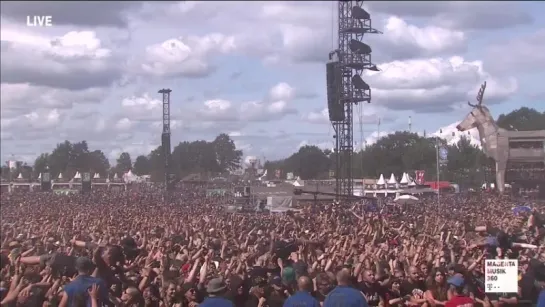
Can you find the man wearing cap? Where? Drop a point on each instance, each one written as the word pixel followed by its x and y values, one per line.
pixel 216 288
pixel 458 299
pixel 80 286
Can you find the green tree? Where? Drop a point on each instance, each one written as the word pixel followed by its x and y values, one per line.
pixel 59 159
pixel 124 163
pixel 310 162
pixel 157 164
pixel 397 153
pixel 41 163
pixel 227 155
pixel 141 165
pixel 523 119
pixel 97 163
pixel 464 164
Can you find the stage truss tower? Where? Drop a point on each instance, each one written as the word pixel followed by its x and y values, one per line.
pixel 352 57
pixel 165 140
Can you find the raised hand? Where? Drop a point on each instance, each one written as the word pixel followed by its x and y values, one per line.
pixel 93 291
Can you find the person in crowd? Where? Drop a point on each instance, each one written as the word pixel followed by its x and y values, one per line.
pixel 130 248
pixel 78 289
pixel 458 298
pixel 303 297
pixel 216 288
pixel 345 295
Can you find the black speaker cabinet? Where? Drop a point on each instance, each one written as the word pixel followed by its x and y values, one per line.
pixel 86 182
pixel 247 191
pixel 45 181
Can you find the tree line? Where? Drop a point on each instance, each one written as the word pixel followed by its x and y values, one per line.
pixel 404 151
pixel 218 156
pixel 396 153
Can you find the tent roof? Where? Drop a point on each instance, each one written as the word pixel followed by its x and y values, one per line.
pixel 404 179
pixel 392 179
pixel 381 180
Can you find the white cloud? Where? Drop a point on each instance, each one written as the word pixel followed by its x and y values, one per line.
pixel 369 115
pixel 453 136
pixel 285 32
pixel 75 60
pixel 458 14
pixel 435 85
pixel 526 53
pixel 281 91
pixel 404 40
pixel 276 106
pixel 38 120
pixel 22 97
pixel 142 108
pixel 188 57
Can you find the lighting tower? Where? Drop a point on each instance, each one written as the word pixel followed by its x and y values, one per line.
pixel 165 140
pixel 352 58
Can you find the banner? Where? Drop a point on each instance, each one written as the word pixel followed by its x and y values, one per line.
pixel 443 155
pixel 279 203
pixel 419 176
pixel 215 192
pixel 12 164
pixel 289 176
pixel 278 173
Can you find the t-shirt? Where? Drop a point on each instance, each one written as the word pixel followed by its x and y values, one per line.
pixel 460 301
pixel 276 299
pixel 372 293
pixel 415 289
pixel 345 296
pixel 541 299
pixel 301 299
pixel 216 302
pixel 80 285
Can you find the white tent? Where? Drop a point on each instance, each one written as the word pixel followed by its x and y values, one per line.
pixel 20 176
pixel 115 176
pixel 381 180
pixel 298 182
pixel 404 179
pixel 77 175
pixel 392 179
pixel 39 176
pixel 96 176
pixel 60 176
pixel 412 183
pixel 130 177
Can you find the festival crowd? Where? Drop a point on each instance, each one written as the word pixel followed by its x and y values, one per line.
pixel 129 248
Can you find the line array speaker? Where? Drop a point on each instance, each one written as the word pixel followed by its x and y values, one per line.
pixel 333 76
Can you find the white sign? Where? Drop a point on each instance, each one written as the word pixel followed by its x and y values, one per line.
pixel 501 276
pixel 39 21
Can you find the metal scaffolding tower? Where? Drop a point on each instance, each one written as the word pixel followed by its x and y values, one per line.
pixel 165 140
pixel 352 58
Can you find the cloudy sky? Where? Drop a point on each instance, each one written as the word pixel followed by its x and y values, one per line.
pixel 254 70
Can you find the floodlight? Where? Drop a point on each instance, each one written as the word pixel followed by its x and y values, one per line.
pixel 359 13
pixel 359 47
pixel 359 83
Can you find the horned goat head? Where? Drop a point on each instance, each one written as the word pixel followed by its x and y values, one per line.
pixel 479 97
